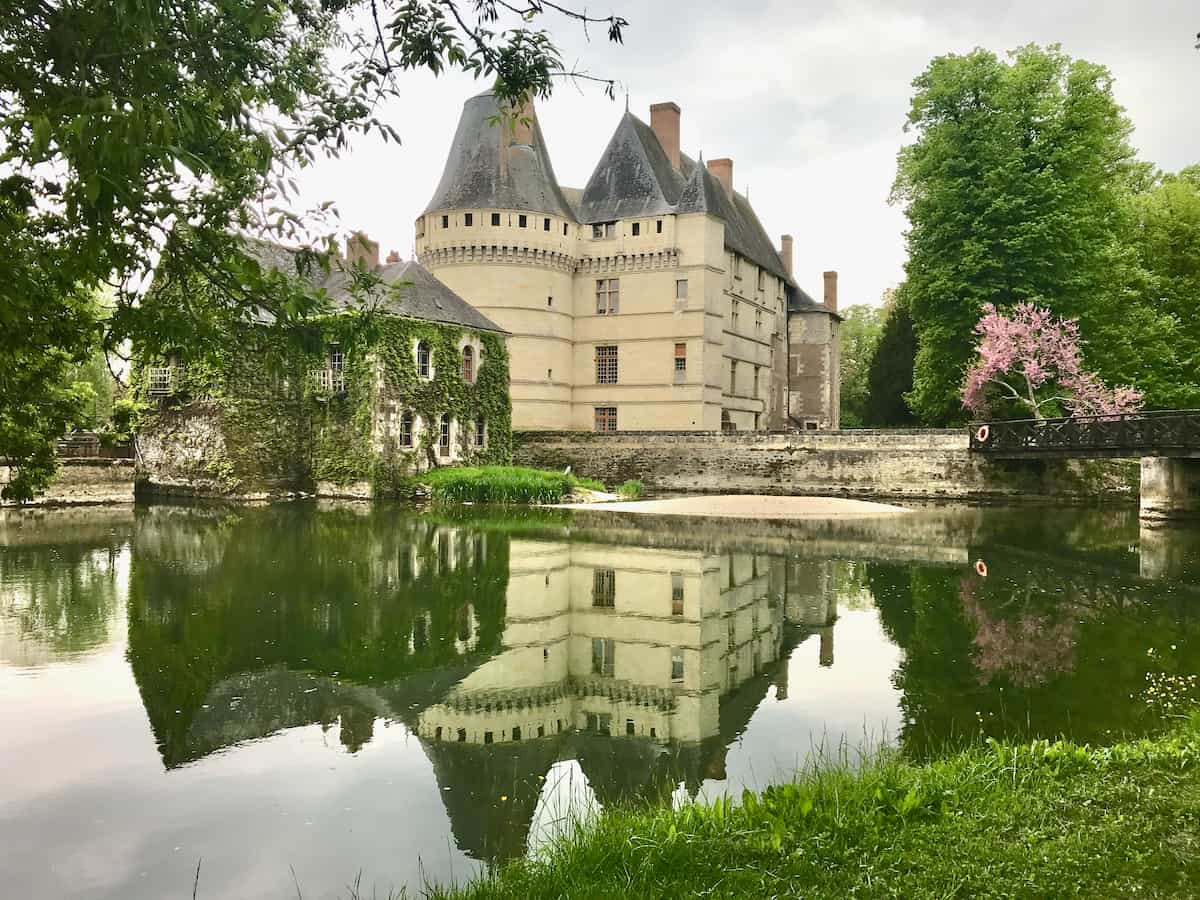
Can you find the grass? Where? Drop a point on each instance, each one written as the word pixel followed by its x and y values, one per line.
pixel 1042 819
pixel 502 484
pixel 631 489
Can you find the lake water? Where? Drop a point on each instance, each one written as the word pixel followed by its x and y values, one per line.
pixel 326 691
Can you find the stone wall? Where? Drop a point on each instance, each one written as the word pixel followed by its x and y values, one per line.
pixel 84 481
pixel 897 464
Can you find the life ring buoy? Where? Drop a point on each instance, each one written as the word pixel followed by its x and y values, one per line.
pixel 981 568
pixel 982 434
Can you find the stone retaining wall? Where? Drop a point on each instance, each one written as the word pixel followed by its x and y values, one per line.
pixel 916 463
pixel 83 481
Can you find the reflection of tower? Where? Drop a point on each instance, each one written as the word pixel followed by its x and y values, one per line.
pixel 781 682
pixel 812 601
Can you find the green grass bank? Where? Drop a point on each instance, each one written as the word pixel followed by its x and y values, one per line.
pixel 502 484
pixel 1042 819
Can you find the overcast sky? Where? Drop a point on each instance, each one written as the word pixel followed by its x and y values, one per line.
pixel 809 99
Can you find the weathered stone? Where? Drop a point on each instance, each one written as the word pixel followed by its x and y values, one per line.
pixel 85 481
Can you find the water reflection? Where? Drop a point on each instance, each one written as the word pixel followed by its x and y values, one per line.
pixel 647 660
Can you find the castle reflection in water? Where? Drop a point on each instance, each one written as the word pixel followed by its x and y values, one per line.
pixel 633 652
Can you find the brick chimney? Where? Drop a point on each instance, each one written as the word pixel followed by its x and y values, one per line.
pixel 722 170
pixel 831 302
pixel 522 124
pixel 664 119
pixel 393 256
pixel 361 249
pixel 785 252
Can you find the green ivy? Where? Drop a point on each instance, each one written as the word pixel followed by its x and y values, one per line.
pixel 280 433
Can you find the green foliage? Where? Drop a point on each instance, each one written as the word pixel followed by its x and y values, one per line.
pixel 119 120
pixel 496 484
pixel 592 484
pixel 1044 818
pixel 890 375
pixel 859 335
pixel 1016 188
pixel 631 489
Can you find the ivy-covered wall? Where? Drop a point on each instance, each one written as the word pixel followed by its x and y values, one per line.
pixel 246 418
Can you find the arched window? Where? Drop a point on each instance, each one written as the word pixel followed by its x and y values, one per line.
pixel 444 437
pixel 406 429
pixel 423 359
pixel 468 365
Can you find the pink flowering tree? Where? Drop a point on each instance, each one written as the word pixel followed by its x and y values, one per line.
pixel 1033 359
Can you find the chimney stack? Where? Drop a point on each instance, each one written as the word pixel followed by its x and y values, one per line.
pixel 831 301
pixel 522 123
pixel 361 249
pixel 722 170
pixel 393 256
pixel 664 120
pixel 785 251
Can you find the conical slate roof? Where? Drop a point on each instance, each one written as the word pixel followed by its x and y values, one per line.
pixel 633 178
pixel 486 169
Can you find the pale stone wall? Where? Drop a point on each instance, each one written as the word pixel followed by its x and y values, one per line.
pixel 84 481
pixel 899 463
pixel 1170 489
pixel 540 285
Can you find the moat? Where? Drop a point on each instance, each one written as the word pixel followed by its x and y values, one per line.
pixel 345 689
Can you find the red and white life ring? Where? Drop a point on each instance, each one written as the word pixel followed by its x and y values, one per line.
pixel 982 434
pixel 981 568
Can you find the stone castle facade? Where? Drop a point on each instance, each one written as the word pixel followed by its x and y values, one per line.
pixel 650 299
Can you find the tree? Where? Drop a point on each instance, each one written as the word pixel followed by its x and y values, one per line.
pixel 859 335
pixel 1034 361
pixel 890 376
pixel 1165 232
pixel 1016 189
pixel 121 122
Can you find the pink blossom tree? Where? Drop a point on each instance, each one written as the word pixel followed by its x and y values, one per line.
pixel 1033 359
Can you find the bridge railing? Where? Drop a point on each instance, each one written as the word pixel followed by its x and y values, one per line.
pixel 1110 435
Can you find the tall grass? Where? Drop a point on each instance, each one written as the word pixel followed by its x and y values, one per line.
pixel 496 484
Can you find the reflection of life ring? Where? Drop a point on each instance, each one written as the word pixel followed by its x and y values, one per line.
pixel 981 568
pixel 982 434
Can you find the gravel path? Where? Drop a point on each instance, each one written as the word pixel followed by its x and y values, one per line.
pixel 748 506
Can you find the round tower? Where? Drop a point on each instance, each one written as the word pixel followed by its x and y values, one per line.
pixel 500 234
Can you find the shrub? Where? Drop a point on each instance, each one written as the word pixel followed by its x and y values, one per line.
pixel 631 490
pixel 590 483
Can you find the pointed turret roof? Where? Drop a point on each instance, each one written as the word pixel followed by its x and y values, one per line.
pixel 633 178
pixel 486 168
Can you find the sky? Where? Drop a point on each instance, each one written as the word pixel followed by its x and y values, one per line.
pixel 808 99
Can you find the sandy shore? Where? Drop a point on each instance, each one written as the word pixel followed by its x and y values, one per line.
pixel 748 506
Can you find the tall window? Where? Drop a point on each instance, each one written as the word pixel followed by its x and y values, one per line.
pixel 606 418
pixel 733 376
pixel 480 432
pixel 681 289
pixel 676 664
pixel 406 429
pixel 762 279
pixel 545 224
pixel 423 359
pixel 608 296
pixel 468 365
pixel 677 593
pixel 755 395
pixel 734 313
pixel 680 361
pixel 758 321
pixel 637 228
pixel 445 221
pixel 658 226
pixel 604 588
pixel 604 651
pixel 444 436
pixel 468 219
pixel 495 218
pixel 522 221
pixel 606 364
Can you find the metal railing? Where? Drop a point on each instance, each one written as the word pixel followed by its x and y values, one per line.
pixel 1108 435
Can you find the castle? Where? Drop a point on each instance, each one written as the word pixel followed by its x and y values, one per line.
pixel 652 299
